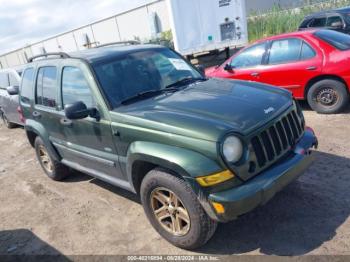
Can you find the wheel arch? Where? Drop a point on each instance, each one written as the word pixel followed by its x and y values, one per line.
pixel 142 157
pixel 34 129
pixel 316 79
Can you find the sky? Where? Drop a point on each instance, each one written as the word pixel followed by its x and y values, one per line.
pixel 27 21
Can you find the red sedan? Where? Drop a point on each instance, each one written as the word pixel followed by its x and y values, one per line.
pixel 313 65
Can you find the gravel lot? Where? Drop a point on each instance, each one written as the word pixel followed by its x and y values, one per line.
pixel 85 216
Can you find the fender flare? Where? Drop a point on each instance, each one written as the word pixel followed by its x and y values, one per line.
pixel 39 130
pixel 186 163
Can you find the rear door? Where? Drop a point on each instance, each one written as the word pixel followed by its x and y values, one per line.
pixel 246 65
pixel 290 64
pixel 46 99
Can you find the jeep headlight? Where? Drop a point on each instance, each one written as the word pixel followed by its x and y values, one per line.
pixel 232 149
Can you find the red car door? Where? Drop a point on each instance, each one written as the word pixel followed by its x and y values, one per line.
pixel 246 65
pixel 290 64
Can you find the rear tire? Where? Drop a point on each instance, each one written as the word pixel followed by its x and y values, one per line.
pixel 181 205
pixel 328 96
pixel 52 168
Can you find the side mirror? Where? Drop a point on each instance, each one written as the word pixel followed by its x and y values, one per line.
pixel 337 25
pixel 201 69
pixel 13 90
pixel 228 67
pixel 79 110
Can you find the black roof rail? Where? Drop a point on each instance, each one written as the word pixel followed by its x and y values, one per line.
pixel 60 54
pixel 129 42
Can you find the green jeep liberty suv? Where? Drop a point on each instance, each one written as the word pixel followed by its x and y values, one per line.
pixel 198 151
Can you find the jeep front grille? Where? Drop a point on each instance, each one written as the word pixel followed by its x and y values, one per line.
pixel 273 142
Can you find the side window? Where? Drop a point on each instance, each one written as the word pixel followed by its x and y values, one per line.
pixel 75 87
pixel 46 88
pixel 318 22
pixel 4 80
pixel 27 85
pixel 250 57
pixel 286 50
pixel 13 80
pixel 334 21
pixel 307 52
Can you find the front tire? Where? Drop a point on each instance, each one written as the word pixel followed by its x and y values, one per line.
pixel 52 168
pixel 328 96
pixel 172 208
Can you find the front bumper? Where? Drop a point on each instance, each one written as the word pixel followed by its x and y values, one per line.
pixel 264 186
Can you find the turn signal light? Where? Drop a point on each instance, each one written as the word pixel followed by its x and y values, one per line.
pixel 219 208
pixel 211 180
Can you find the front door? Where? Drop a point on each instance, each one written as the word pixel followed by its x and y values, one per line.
pixel 85 144
pixel 246 65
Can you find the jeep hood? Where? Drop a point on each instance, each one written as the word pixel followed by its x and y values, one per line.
pixel 206 110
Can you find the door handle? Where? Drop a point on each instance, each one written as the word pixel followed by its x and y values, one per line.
pixel 36 114
pixel 66 122
pixel 311 68
pixel 255 74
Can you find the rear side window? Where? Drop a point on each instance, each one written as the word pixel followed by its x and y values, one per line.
pixel 338 40
pixel 75 87
pixel 305 23
pixel 318 22
pixel 285 50
pixel 46 87
pixel 27 84
pixel 307 52
pixel 4 80
pixel 290 50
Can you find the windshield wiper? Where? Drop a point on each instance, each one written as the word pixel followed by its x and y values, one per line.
pixel 170 88
pixel 147 94
pixel 186 80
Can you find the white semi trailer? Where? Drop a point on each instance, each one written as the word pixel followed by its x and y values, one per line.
pixel 200 26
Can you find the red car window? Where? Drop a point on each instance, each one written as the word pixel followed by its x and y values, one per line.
pixel 250 57
pixel 285 50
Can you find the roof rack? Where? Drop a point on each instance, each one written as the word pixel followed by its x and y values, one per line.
pixel 60 54
pixel 129 42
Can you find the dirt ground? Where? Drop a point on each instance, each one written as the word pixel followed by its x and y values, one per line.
pixel 85 216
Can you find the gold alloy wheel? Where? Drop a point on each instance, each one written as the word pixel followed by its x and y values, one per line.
pixel 45 159
pixel 170 211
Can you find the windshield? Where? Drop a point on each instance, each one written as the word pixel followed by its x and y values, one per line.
pixel 338 40
pixel 139 72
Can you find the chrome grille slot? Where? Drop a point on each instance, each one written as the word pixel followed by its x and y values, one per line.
pixel 275 139
pixel 296 120
pixel 259 151
pixel 270 144
pixel 288 130
pixel 282 135
pixel 293 126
